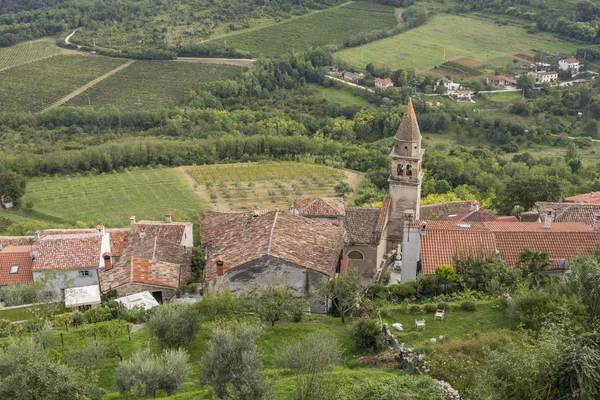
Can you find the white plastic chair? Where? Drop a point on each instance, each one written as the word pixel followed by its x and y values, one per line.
pixel 439 314
pixel 420 324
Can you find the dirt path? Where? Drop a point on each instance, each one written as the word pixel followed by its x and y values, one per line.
pixel 68 38
pixel 399 12
pixel 88 85
pixel 239 62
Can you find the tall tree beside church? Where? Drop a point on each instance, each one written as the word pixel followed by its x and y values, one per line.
pixel 12 186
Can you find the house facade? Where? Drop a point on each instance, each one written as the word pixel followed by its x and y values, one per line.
pixel 383 83
pixel 464 95
pixel 569 64
pixel 546 77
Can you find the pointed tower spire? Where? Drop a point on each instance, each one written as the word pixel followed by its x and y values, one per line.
pixel 409 128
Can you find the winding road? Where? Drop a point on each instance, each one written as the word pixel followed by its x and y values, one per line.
pixel 68 38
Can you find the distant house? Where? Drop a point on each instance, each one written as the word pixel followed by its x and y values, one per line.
pixel 15 264
pixel 352 77
pixel 501 81
pixel 546 77
pixel 463 95
pixel 383 83
pixel 448 84
pixel 569 64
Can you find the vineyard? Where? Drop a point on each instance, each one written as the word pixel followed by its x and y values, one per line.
pixel 266 185
pixel 153 84
pixel 454 36
pixel 331 26
pixel 27 52
pixel 110 199
pixel 36 85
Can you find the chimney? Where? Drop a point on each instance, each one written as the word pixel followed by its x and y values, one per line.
pixel 100 229
pixel 596 221
pixel 36 236
pixel 372 202
pixel 168 218
pixel 548 219
pixel 33 254
pixel 107 262
pixel 220 267
pixel 409 217
pixel 0 246
pixel 132 221
pixel 254 211
pixel 423 230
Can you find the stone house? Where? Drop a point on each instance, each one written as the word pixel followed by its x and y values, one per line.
pixel 254 249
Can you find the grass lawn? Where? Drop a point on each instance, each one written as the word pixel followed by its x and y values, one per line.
pixel 315 29
pixel 16 314
pixel 110 199
pixel 423 48
pixel 455 323
pixel 342 97
pixel 153 84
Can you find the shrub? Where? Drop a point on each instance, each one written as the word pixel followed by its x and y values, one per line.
pixel 427 285
pixel 414 309
pixel 397 387
pixel 429 308
pixel 298 308
pixel 222 304
pixel 377 291
pixel 364 335
pixel 444 306
pixel 401 291
pixel 173 325
pixel 18 294
pixel 97 314
pixel 5 327
pixel 468 306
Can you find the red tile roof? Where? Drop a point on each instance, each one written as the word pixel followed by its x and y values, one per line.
pixel 320 206
pixel 118 241
pixel 572 60
pixel 16 240
pixel 68 252
pixel 383 214
pixel 588 198
pixel 16 255
pixel 386 81
pixel 568 212
pixel 241 238
pixel 441 210
pixel 361 225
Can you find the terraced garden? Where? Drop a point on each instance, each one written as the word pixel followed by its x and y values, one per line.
pixel 455 36
pixel 152 84
pixel 36 85
pixel 330 26
pixel 27 52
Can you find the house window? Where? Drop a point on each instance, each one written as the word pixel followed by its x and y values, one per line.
pixel 115 259
pixel 400 170
pixel 14 268
pixel 86 274
pixel 51 275
pixel 409 170
pixel 356 255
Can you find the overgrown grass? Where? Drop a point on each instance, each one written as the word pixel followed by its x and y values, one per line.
pixel 153 84
pixel 455 36
pixel 110 199
pixel 16 314
pixel 331 26
pixel 35 86
pixel 342 97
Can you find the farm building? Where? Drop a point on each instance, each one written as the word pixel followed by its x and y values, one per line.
pixel 383 83
pixel 501 81
pixel 546 77
pixel 254 249
pixel 463 95
pixel 450 85
pixel 569 64
pixel 352 77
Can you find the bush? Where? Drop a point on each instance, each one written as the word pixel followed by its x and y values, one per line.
pixel 430 308
pixel 298 308
pixel 414 309
pixel 18 294
pixel 444 306
pixel 97 314
pixel 5 326
pixel 364 335
pixel 401 291
pixel 173 325
pixel 377 291
pixel 223 304
pixel 427 285
pixel 468 306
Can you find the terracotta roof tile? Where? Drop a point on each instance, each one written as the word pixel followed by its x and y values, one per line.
pixel 68 252
pixel 441 210
pixel 569 212
pixel 171 231
pixel 16 241
pixel 361 225
pixel 118 241
pixel 320 206
pixel 383 214
pixel 16 255
pixel 55 232
pixel 589 198
pixel 240 238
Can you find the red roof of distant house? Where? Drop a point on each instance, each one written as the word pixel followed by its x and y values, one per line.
pixel 68 252
pixel 510 80
pixel 572 60
pixel 19 256
pixel 384 82
pixel 320 206
pixel 496 78
pixel 445 240
pixel 588 198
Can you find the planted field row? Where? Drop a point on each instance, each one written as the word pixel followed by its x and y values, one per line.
pixel 36 85
pixel 328 27
pixel 153 84
pixel 253 172
pixel 27 52
pixel 111 199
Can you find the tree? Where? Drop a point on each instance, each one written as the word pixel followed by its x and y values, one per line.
pixel 344 292
pixel 272 302
pixel 27 373
pixel 174 325
pixel 18 294
pixel 535 263
pixel 12 186
pixel 198 261
pixel 445 274
pixel 342 188
pixel 232 364
pixel 525 189
pixel 583 279
pixel 573 158
pixel 146 373
pixel 591 129
pixel 527 83
pixel 309 359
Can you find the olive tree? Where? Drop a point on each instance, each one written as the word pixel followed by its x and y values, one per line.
pixel 344 291
pixel 272 302
pixel 173 325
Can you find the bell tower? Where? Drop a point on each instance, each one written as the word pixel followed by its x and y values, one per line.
pixel 406 175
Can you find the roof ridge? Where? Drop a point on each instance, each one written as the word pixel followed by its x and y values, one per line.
pixel 272 231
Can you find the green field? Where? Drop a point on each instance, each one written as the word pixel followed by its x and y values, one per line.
pixel 478 39
pixel 343 97
pixel 317 29
pixel 27 52
pixel 153 84
pixel 35 86
pixel 110 199
pixel 266 185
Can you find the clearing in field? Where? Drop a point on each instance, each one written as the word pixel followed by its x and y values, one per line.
pixel 331 26
pixel 153 84
pixel 110 199
pixel 36 85
pixel 27 52
pixel 265 185
pixel 344 97
pixel 423 48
